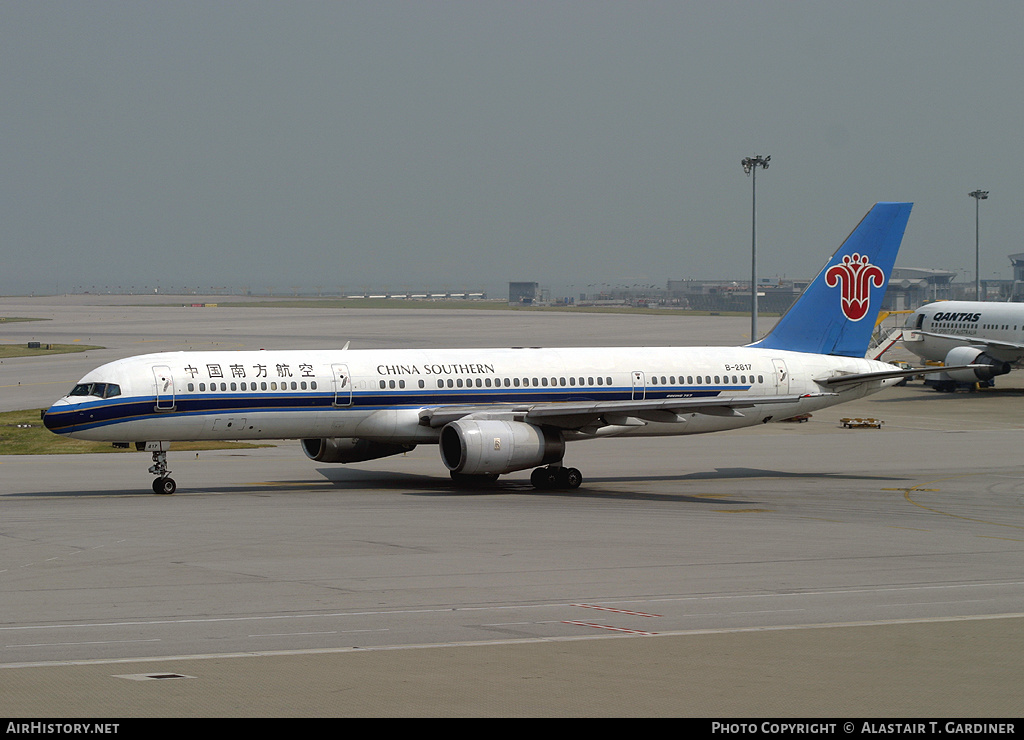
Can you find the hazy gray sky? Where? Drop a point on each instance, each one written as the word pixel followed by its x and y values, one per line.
pixel 459 144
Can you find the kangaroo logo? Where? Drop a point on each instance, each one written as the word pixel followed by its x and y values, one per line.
pixel 855 276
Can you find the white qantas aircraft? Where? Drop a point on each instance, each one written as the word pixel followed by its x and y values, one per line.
pixel 989 335
pixel 497 411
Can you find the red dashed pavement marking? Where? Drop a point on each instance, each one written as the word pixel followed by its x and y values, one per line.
pixel 617 611
pixel 608 627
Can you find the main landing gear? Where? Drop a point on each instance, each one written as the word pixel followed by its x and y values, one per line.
pixel 555 476
pixel 163 484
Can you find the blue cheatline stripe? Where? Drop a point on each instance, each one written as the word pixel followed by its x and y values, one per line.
pixel 104 413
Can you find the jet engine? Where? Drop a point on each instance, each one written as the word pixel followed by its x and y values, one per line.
pixel 492 447
pixel 349 449
pixel 974 356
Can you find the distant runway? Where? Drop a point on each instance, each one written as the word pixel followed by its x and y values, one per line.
pixel 790 570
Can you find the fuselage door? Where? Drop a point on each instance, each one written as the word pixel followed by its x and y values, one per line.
pixel 781 377
pixel 342 385
pixel 164 388
pixel 639 385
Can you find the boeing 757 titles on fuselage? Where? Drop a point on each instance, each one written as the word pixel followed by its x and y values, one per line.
pixel 498 411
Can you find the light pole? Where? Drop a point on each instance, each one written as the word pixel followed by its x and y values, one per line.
pixel 978 195
pixel 750 165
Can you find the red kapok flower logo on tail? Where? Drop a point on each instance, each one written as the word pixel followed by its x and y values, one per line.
pixel 855 276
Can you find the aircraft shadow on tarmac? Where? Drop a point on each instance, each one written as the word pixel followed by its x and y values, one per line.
pixel 598 487
pixel 607 487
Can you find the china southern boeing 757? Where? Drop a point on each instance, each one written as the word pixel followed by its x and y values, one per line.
pixel 498 411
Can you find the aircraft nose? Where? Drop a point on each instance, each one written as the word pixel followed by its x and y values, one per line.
pixel 47 417
pixel 50 418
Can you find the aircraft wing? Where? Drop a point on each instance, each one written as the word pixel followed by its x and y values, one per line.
pixel 579 414
pixel 975 341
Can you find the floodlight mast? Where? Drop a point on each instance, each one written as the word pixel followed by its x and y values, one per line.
pixel 750 165
pixel 978 195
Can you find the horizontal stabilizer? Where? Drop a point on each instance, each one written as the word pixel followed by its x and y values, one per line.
pixel 886 374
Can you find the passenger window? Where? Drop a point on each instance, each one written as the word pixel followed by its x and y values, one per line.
pixel 191 387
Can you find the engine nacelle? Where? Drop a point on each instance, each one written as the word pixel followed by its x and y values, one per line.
pixel 974 356
pixel 349 449
pixel 479 447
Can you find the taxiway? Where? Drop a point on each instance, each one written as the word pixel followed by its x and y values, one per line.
pixel 799 569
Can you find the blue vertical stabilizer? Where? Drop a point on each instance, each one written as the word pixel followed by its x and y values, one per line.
pixel 836 313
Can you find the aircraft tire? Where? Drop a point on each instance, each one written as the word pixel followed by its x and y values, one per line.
pixel 164 486
pixel 542 478
pixel 548 478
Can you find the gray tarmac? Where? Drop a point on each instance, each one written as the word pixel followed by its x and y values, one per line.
pixel 794 570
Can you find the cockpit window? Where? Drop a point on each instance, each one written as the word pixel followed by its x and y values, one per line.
pixel 100 390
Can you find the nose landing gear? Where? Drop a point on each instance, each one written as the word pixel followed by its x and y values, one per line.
pixel 163 484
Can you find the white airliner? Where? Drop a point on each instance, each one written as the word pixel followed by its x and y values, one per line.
pixel 498 411
pixel 989 335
